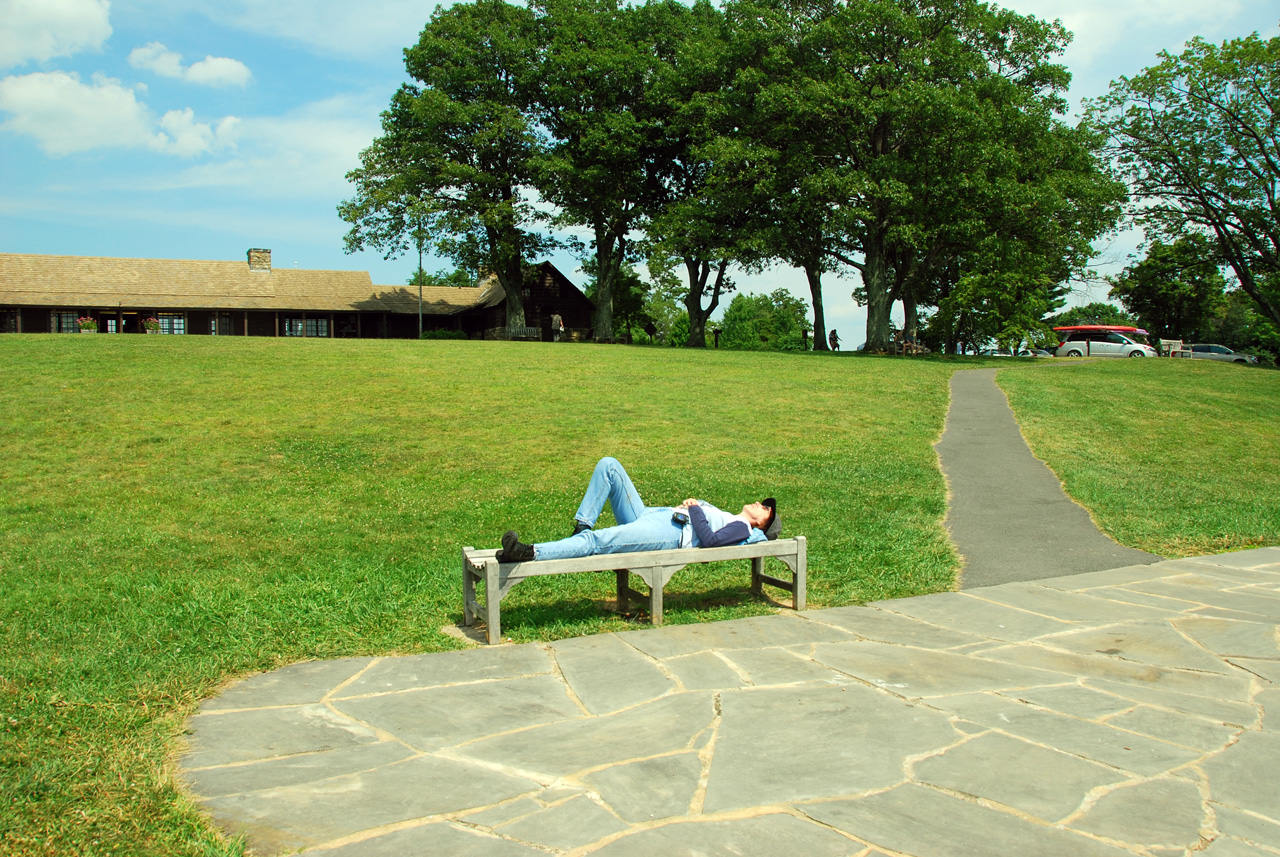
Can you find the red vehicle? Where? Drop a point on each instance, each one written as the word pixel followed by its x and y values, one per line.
pixel 1103 340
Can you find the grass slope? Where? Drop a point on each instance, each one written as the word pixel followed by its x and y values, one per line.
pixel 176 511
pixel 1176 457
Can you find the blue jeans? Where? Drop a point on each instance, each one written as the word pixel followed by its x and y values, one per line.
pixel 640 527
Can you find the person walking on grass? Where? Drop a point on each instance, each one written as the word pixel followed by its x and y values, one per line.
pixel 694 523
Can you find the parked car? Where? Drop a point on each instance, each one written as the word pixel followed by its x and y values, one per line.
pixel 1204 351
pixel 1034 352
pixel 1102 343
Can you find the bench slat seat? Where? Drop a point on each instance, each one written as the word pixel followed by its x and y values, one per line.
pixel 655 568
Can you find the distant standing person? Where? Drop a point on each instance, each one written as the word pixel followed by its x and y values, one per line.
pixel 834 340
pixel 557 327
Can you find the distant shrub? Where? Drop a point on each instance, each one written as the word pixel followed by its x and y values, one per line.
pixel 443 334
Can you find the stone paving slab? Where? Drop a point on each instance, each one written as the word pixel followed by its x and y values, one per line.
pixel 1110 713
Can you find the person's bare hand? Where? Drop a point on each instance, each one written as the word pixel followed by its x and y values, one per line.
pixel 690 502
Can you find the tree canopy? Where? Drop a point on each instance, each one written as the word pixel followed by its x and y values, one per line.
pixel 456 155
pixel 916 143
pixel 1177 290
pixel 1198 139
pixel 773 322
pixel 1092 313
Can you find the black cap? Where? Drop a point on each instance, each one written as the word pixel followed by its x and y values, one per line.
pixel 773 526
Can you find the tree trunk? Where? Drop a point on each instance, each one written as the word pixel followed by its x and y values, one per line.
pixel 910 319
pixel 608 263
pixel 510 273
pixel 813 272
pixel 699 271
pixel 875 279
pixel 515 305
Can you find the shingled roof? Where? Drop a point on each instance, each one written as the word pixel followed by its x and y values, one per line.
pixel 94 282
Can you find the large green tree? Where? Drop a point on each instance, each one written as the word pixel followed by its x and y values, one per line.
pixel 898 137
pixel 1177 290
pixel 455 159
pixel 781 151
pixel 1198 139
pixel 773 322
pixel 1092 313
pixel 1239 325
pixel 1000 246
pixel 630 297
pixel 598 169
pixel 692 222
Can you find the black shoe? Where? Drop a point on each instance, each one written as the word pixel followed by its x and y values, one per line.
pixel 579 527
pixel 514 550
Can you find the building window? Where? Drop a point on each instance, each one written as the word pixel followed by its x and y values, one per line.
pixel 220 324
pixel 306 327
pixel 64 322
pixel 172 322
pixel 9 321
pixel 111 325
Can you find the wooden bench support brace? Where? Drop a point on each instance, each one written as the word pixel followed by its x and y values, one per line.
pixel 655 568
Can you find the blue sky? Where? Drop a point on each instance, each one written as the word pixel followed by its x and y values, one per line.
pixel 195 130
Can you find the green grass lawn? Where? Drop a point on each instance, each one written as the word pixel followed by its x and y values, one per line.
pixel 1176 457
pixel 177 512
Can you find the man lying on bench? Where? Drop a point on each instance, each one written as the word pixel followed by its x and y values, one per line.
pixel 645 528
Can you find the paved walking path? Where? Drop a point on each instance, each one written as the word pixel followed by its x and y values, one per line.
pixel 1115 713
pixel 1008 515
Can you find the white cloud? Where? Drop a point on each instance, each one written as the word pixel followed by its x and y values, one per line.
pixel 186 137
pixel 1121 37
pixel 43 29
pixel 65 116
pixel 304 154
pixel 158 59
pixel 210 71
pixel 219 71
pixel 1106 29
pixel 374 30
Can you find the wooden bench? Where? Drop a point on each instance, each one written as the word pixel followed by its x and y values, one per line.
pixel 899 343
pixel 655 568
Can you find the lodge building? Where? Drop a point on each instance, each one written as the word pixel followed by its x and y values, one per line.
pixel 50 294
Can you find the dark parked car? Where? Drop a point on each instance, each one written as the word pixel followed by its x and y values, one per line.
pixel 1220 352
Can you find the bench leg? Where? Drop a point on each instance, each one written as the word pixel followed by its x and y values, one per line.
pixel 492 602
pixel 757 568
pixel 624 583
pixel 655 604
pixel 800 576
pixel 468 591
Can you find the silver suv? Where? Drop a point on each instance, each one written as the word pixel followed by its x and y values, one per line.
pixel 1220 352
pixel 1102 343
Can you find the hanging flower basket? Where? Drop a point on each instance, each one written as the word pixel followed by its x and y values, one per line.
pixel 151 325
pixel 87 324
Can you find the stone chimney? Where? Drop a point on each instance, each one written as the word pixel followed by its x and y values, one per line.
pixel 259 260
